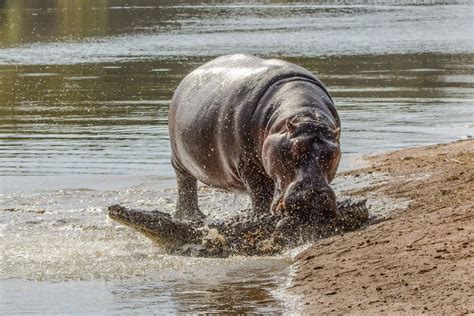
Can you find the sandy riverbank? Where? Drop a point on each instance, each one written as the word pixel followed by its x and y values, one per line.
pixel 418 260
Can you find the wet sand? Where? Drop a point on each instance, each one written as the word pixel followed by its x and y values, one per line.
pixel 418 260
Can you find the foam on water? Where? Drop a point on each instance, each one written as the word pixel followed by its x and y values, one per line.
pixel 63 235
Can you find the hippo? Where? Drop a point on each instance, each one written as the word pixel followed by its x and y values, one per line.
pixel 266 127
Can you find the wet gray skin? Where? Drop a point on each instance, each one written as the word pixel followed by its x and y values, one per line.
pixel 250 234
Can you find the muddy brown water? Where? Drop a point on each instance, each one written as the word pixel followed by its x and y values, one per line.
pixel 85 88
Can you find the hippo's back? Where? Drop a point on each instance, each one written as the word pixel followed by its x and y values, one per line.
pixel 211 111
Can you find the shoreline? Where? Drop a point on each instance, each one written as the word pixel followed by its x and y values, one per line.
pixel 415 260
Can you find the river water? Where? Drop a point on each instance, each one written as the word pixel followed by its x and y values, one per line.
pixel 84 93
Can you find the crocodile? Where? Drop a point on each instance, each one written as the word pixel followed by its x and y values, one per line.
pixel 253 234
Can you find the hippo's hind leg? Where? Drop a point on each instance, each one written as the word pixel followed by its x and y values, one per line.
pixel 187 200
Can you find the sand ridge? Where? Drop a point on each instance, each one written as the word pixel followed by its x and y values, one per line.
pixel 418 260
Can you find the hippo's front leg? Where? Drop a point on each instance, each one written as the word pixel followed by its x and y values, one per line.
pixel 187 201
pixel 260 189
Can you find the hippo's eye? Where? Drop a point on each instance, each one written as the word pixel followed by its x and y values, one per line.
pixel 328 133
pixel 329 152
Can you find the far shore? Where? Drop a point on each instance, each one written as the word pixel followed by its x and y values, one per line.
pixel 418 260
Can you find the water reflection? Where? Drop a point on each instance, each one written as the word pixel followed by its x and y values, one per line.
pixel 93 31
pixel 217 294
pixel 28 21
pixel 161 293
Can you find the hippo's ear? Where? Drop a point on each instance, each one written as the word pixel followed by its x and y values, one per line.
pixel 290 126
pixel 337 133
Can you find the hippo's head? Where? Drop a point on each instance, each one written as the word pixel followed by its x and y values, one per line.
pixel 302 158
